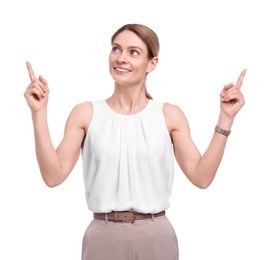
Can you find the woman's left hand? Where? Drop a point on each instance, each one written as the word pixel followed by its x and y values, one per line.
pixel 231 98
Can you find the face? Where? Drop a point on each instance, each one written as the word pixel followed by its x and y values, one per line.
pixel 128 59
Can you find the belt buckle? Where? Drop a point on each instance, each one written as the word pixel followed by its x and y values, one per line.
pixel 118 216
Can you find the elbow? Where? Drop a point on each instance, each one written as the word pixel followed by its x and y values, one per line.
pixel 52 182
pixel 203 181
pixel 203 184
pixel 53 176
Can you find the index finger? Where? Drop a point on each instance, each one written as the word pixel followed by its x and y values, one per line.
pixel 30 71
pixel 240 79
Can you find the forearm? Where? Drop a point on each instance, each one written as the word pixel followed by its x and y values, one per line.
pixel 48 160
pixel 208 164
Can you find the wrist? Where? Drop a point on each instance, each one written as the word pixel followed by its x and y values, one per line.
pixel 222 131
pixel 225 122
pixel 39 114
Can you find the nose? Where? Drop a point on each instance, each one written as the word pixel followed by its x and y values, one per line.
pixel 122 57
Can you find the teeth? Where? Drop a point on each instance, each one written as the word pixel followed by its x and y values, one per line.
pixel 121 70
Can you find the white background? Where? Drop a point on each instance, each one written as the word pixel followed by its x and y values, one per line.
pixel 204 45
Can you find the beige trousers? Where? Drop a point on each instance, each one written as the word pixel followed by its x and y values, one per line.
pixel 148 239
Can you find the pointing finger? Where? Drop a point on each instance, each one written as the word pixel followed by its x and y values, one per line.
pixel 240 79
pixel 30 71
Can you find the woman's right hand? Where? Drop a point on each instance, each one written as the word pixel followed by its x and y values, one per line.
pixel 37 93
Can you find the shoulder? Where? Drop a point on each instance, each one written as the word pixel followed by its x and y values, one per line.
pixel 172 111
pixel 84 107
pixel 174 116
pixel 81 115
pixel 82 110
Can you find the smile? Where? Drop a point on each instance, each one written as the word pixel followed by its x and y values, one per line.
pixel 122 70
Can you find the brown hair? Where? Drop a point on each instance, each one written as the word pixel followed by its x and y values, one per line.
pixel 147 35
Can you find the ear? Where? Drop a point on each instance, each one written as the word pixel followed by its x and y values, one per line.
pixel 152 64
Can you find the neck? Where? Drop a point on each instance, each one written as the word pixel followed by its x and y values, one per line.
pixel 128 100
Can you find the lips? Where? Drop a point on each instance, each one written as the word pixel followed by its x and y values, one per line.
pixel 123 70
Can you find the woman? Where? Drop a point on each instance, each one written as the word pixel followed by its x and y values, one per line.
pixel 128 143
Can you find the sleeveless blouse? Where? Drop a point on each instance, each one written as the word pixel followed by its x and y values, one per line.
pixel 128 160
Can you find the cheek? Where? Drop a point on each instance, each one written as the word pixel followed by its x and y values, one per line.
pixel 142 67
pixel 110 59
pixel 111 62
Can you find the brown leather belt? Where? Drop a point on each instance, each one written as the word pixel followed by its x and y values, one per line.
pixel 126 216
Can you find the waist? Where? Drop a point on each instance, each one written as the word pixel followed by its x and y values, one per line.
pixel 126 216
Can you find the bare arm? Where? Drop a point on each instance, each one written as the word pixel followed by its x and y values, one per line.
pixel 201 169
pixel 55 164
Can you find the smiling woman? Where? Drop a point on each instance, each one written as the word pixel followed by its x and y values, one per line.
pixel 128 143
pixel 147 44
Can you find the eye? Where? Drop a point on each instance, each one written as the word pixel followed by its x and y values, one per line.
pixel 115 49
pixel 134 53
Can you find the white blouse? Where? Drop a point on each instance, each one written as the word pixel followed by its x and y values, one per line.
pixel 128 160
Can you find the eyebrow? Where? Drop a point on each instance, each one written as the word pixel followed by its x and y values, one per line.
pixel 129 47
